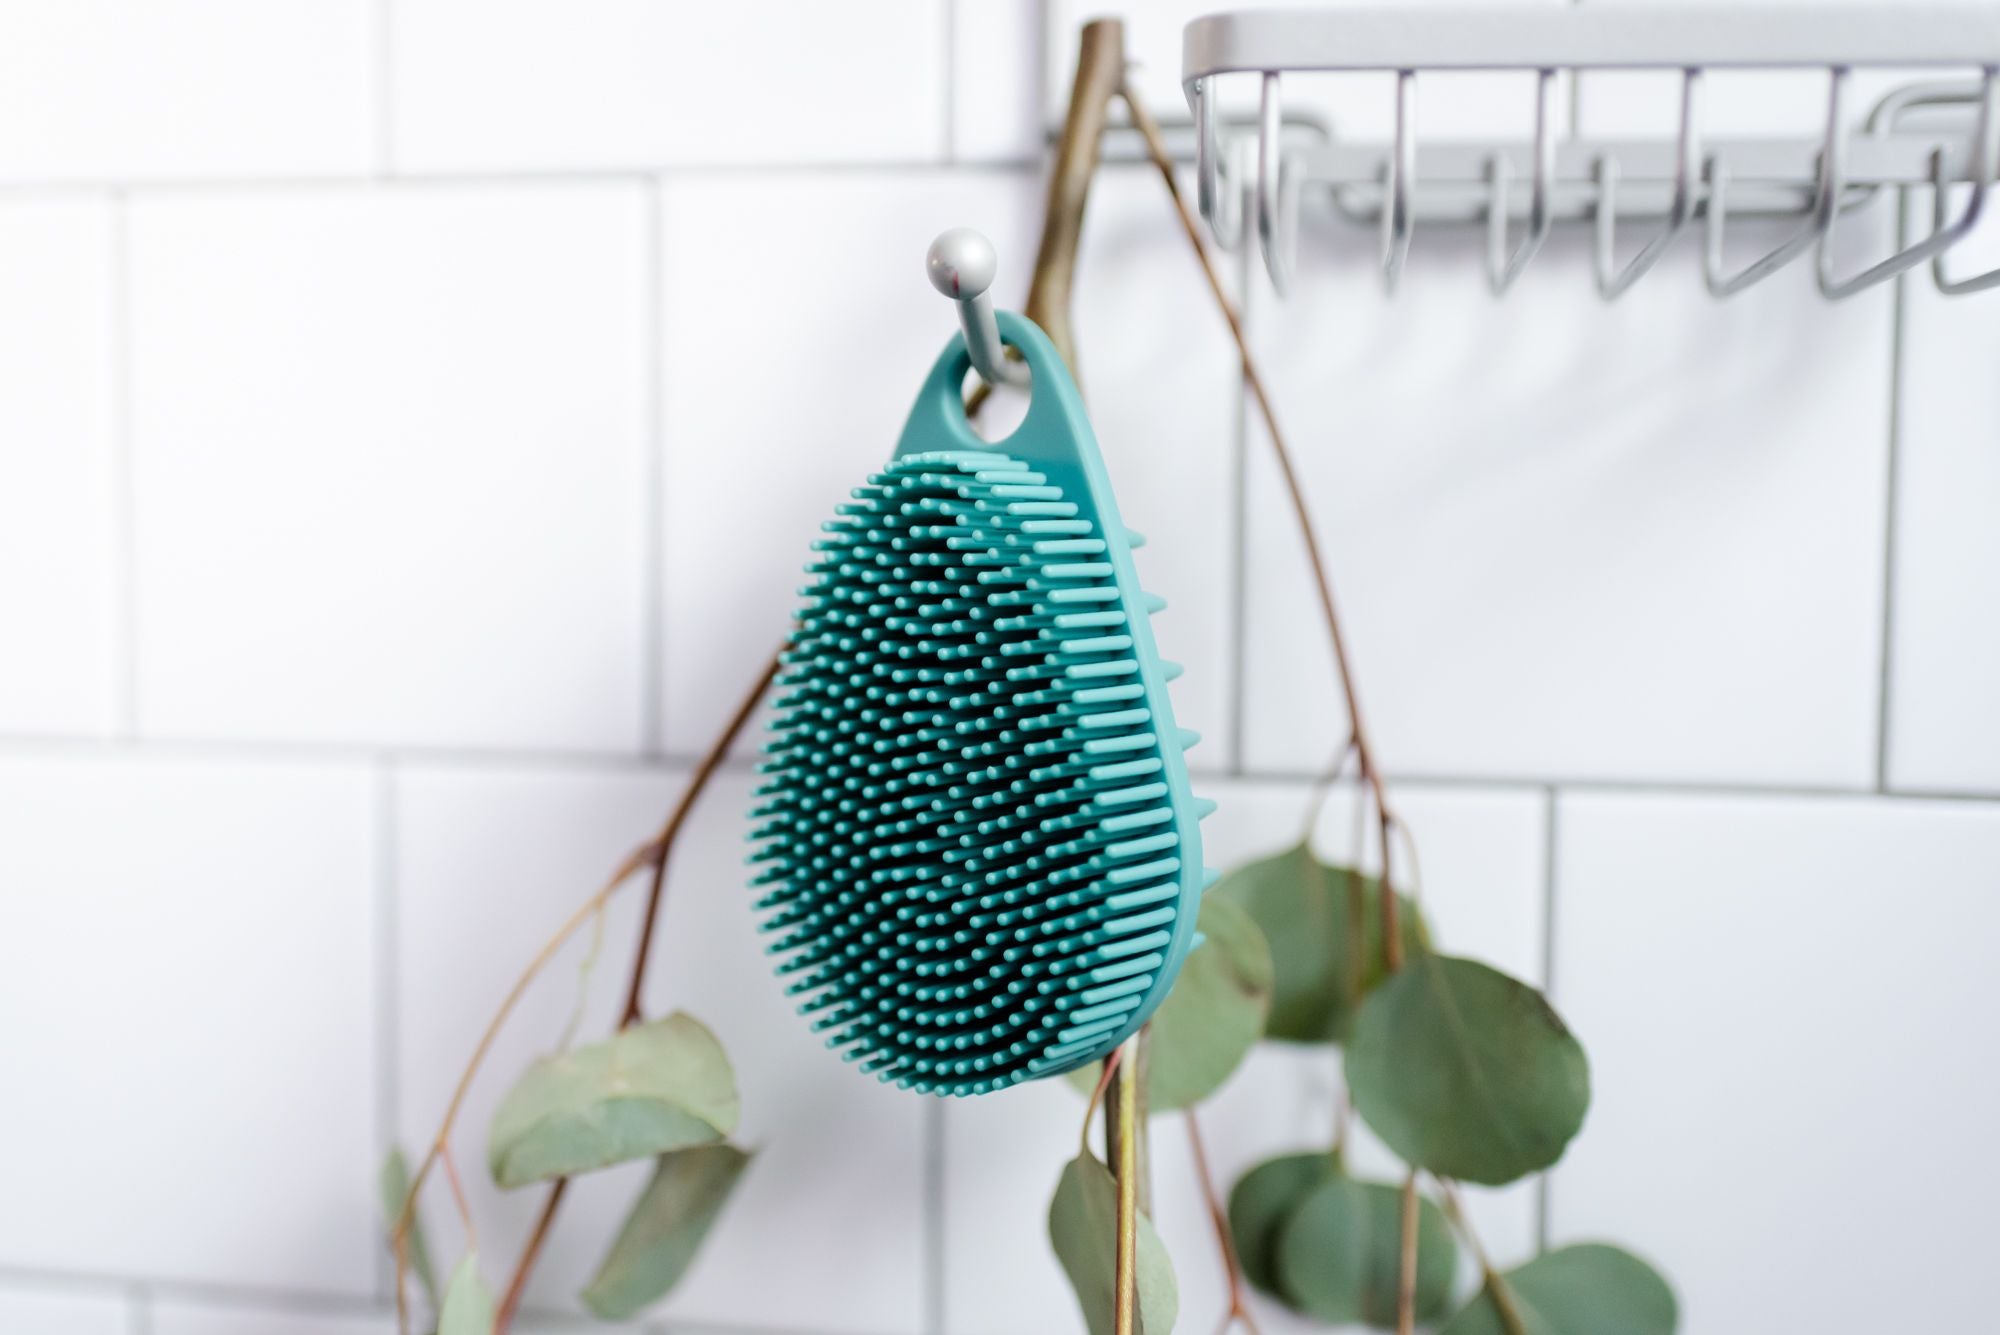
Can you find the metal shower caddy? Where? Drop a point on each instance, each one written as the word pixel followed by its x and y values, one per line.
pixel 1254 180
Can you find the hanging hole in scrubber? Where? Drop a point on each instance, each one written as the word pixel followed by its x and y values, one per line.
pixel 997 413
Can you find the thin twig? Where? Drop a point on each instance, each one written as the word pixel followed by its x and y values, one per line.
pixel 458 1199
pixel 1371 773
pixel 1232 1264
pixel 661 848
pixel 1125 1306
pixel 1511 1320
pixel 1406 1279
pixel 633 861
pixel 1156 149
pixel 1097 1097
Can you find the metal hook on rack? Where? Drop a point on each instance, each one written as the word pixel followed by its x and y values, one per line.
pixel 1951 287
pixel 1501 268
pixel 1982 166
pixel 1219 196
pixel 1277 203
pixel 1612 282
pixel 1398 216
pixel 1826 202
pixel 961 264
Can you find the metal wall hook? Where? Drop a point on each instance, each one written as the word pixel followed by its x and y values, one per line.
pixel 1277 203
pixel 1613 282
pixel 1826 203
pixel 1951 287
pixel 961 264
pixel 1983 167
pixel 1501 268
pixel 1398 216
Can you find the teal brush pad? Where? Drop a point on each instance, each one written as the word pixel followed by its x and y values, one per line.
pixel 980 857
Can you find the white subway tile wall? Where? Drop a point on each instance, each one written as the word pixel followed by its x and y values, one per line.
pixel 414 415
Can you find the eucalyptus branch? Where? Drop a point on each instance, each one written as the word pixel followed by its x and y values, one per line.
pixel 1125 1306
pixel 658 852
pixel 1232 1264
pixel 1504 1303
pixel 1406 1278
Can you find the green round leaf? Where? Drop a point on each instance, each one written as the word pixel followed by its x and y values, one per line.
pixel 468 1303
pixel 653 1088
pixel 1307 912
pixel 1262 1202
pixel 1340 1254
pixel 1581 1290
pixel 665 1228
pixel 1083 1228
pixel 1467 1072
pixel 1212 1017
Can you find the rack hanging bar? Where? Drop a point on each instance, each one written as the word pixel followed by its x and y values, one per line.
pixel 1501 268
pixel 1952 287
pixel 1985 148
pixel 1826 203
pixel 1613 282
pixel 1590 37
pixel 1399 213
pixel 1688 178
pixel 961 264
pixel 1277 207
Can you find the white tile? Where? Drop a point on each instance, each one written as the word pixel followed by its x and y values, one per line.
pixel 389 459
pixel 185 1317
pixel 996 80
pixel 1572 538
pixel 1783 1001
pixel 781 393
pixel 194 942
pixel 47 1312
pixel 835 1189
pixel 1483 881
pixel 622 83
pixel 1944 720
pixel 56 508
pixel 125 89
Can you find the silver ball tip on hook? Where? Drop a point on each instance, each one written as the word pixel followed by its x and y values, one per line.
pixel 961 263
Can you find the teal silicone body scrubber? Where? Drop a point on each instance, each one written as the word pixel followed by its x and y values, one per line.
pixel 982 856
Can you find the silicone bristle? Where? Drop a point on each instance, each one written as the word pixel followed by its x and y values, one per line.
pixel 976 850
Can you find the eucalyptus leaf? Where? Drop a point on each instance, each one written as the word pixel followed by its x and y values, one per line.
pixel 665 1228
pixel 1340 1254
pixel 1582 1290
pixel 653 1088
pixel 1466 1072
pixel 1306 910
pixel 1211 1018
pixel 1261 1203
pixel 1083 1228
pixel 468 1303
pixel 394 1185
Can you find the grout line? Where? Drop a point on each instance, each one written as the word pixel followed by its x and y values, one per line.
pixel 383 106
pixel 934 1215
pixel 1239 523
pixel 949 118
pixel 142 1295
pixel 28 745
pixel 1550 900
pixel 387 1000
pixel 1885 663
pixel 652 486
pixel 124 510
pixel 96 187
